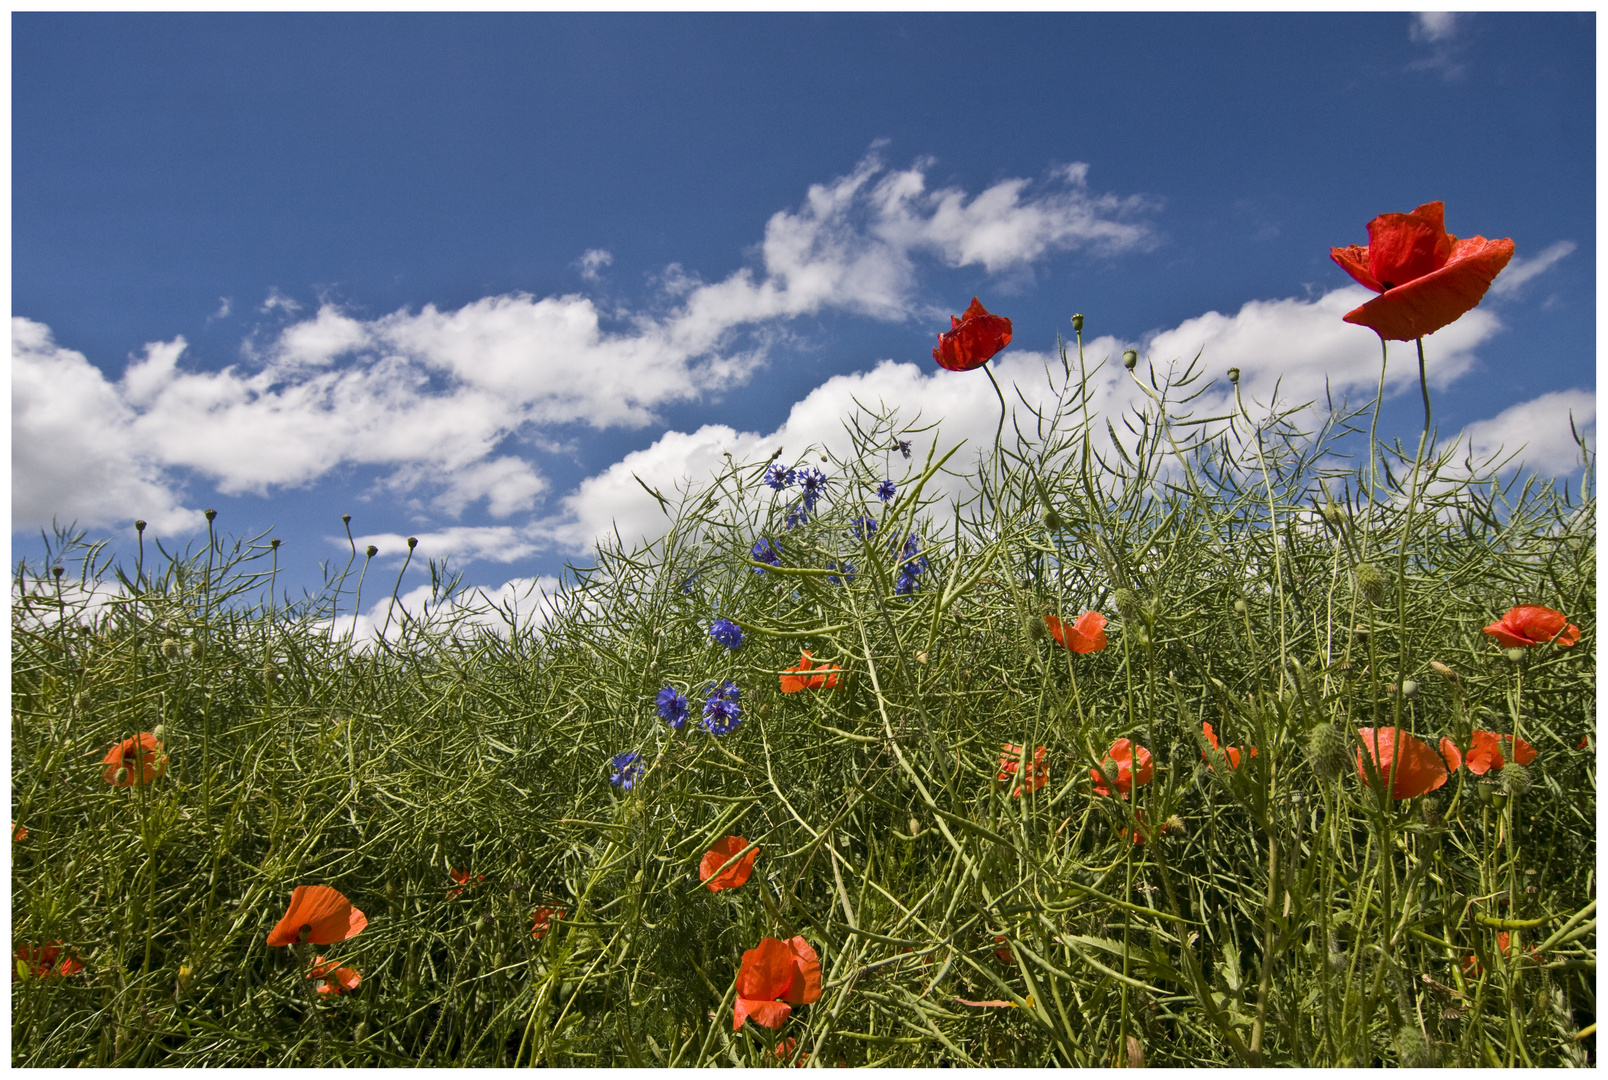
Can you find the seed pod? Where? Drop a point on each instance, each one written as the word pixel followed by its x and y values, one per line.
pixel 1240 607
pixel 915 827
pixel 1233 375
pixel 1409 688
pixel 1514 655
pixel 1077 324
pixel 1369 582
pixel 1515 778
pixel 1130 359
pixel 1326 750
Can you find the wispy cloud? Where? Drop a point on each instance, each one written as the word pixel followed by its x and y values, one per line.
pixel 1441 31
pixel 280 302
pixel 1519 271
pixel 592 264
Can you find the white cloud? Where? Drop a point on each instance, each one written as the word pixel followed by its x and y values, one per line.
pixel 75 455
pixel 1519 271
pixel 1433 26
pixel 526 603
pixel 459 545
pixel 1539 430
pixel 435 397
pixel 1440 31
pixel 593 262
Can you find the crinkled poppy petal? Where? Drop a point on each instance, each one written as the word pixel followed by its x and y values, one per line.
pixel 1090 627
pixel 806 985
pixel 1484 753
pixel 1425 304
pixel 1418 771
pixel 766 972
pixel 772 1014
pixel 1354 261
pixel 1406 247
pixel 1211 735
pixel 1453 756
pixel 1505 636
pixel 1523 752
pixel 329 916
pixel 1539 624
pixel 972 339
pixel 735 874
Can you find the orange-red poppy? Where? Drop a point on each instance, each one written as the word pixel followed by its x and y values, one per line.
pixel 1232 753
pixel 1119 764
pixel 1427 278
pixel 1485 752
pixel 544 921
pixel 1585 741
pixel 464 881
pixel 735 873
pixel 317 914
pixel 137 759
pixel 1086 635
pixel 1036 775
pixel 1531 624
pixel 775 976
pixel 42 961
pixel 1453 756
pixel 1144 832
pixel 786 1047
pixel 1471 963
pixel 1418 769
pixel 333 979
pixel 20 832
pixel 973 337
pixel 821 676
pixel 1005 956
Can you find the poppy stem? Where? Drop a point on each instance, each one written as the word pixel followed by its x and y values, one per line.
pixel 999 432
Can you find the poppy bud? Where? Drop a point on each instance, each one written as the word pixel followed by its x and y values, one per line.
pixel 1053 521
pixel 120 778
pixel 1443 671
pixel 1412 1049
pixel 1369 582
pixel 360 1032
pixel 1337 962
pixel 1409 688
pixel 1127 603
pixel 195 650
pixel 1130 359
pixel 1333 513
pixel 1515 655
pixel 1174 824
pixel 1239 607
pixel 1077 324
pixel 1233 375
pixel 1326 750
pixel 1430 808
pixel 915 827
pixel 159 732
pixel 170 648
pixel 1037 628
pixel 1515 778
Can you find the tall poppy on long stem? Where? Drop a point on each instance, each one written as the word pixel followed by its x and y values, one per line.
pixel 1426 277
pixel 317 914
pixel 775 976
pixel 974 336
pixel 1418 769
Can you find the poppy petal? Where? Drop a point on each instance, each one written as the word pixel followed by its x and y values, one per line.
pixel 709 869
pixel 1354 261
pixel 767 971
pixel 806 985
pixel 328 915
pixel 772 1014
pixel 1426 304
pixel 1418 769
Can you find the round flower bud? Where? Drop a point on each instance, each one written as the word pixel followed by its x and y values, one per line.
pixel 1369 582
pixel 120 778
pixel 1037 628
pixel 915 827
pixel 170 648
pixel 1333 513
pixel 1077 324
pixel 1240 607
pixel 159 732
pixel 1126 602
pixel 1053 521
pixel 1409 688
pixel 1130 359
pixel 139 525
pixel 195 650
pixel 1412 1049
pixel 371 551
pixel 1515 778
pixel 1326 750
pixel 1337 962
pixel 1430 808
pixel 1514 655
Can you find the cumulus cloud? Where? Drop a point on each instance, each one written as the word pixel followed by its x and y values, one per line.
pixel 1539 433
pixel 440 399
pixel 1519 271
pixel 523 603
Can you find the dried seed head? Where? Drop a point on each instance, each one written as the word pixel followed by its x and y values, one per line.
pixel 58 571
pixel 1130 359
pixel 1515 778
pixel 1369 582
pixel 1326 750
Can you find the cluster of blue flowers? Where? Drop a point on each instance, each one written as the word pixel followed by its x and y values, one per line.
pixel 721 713
pixel 910 566
pixel 627 769
pixel 766 551
pixel 727 633
pixel 847 570
pixel 811 481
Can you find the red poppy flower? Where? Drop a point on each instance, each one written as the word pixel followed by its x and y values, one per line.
pixel 1005 956
pixel 41 961
pixel 1426 277
pixel 786 1047
pixel 735 873
pixel 1419 770
pixel 463 879
pixel 1474 969
pixel 544 921
pixel 775 976
pixel 1144 832
pixel 1532 624
pixel 973 337
pixel 20 832
pixel 137 758
pixel 1119 762
pixel 318 914
pixel 1084 636
pixel 823 676
pixel 1485 752
pixel 1585 741
pixel 1232 753
pixel 1037 774
pixel 332 978
pixel 1453 756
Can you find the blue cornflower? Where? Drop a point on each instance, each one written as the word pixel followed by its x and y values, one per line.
pixel 903 446
pixel 673 708
pixel 796 517
pixel 627 770
pixel 813 481
pixel 906 584
pixel 778 478
pixel 862 527
pixel 727 633
pixel 766 552
pixel 848 573
pixel 887 490
pixel 721 713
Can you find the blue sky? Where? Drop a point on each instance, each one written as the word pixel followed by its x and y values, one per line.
pixel 461 276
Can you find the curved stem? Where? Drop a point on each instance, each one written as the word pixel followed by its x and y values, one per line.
pixel 999 431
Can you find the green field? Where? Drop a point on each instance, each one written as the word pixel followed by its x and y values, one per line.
pixel 1273 575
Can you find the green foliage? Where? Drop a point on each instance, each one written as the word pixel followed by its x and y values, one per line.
pixel 1279 912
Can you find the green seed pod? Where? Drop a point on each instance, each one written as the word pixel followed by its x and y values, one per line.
pixel 1514 655
pixel 1077 324
pixel 1412 1049
pixel 1369 582
pixel 1409 688
pixel 915 827
pixel 1053 521
pixel 1233 375
pixel 1130 359
pixel 482 924
pixel 1515 778
pixel 1326 750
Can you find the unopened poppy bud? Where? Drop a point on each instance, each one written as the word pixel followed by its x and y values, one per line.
pixel 1326 750
pixel 360 1032
pixel 1337 962
pixel 1443 671
pixel 1233 375
pixel 1412 1049
pixel 1239 607
pixel 195 650
pixel 1037 628
pixel 170 648
pixel 1077 324
pixel 1173 824
pixel 1409 688
pixel 1333 513
pixel 120 779
pixel 371 551
pixel 274 543
pixel 915 827
pixel 1430 808
pixel 1127 603
pixel 1514 655
pixel 1053 521
pixel 1515 778
pixel 159 732
pixel 1369 582
pixel 1130 359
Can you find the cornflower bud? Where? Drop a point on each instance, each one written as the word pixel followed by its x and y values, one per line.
pixel 1326 749
pixel 1515 778
pixel 1369 582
